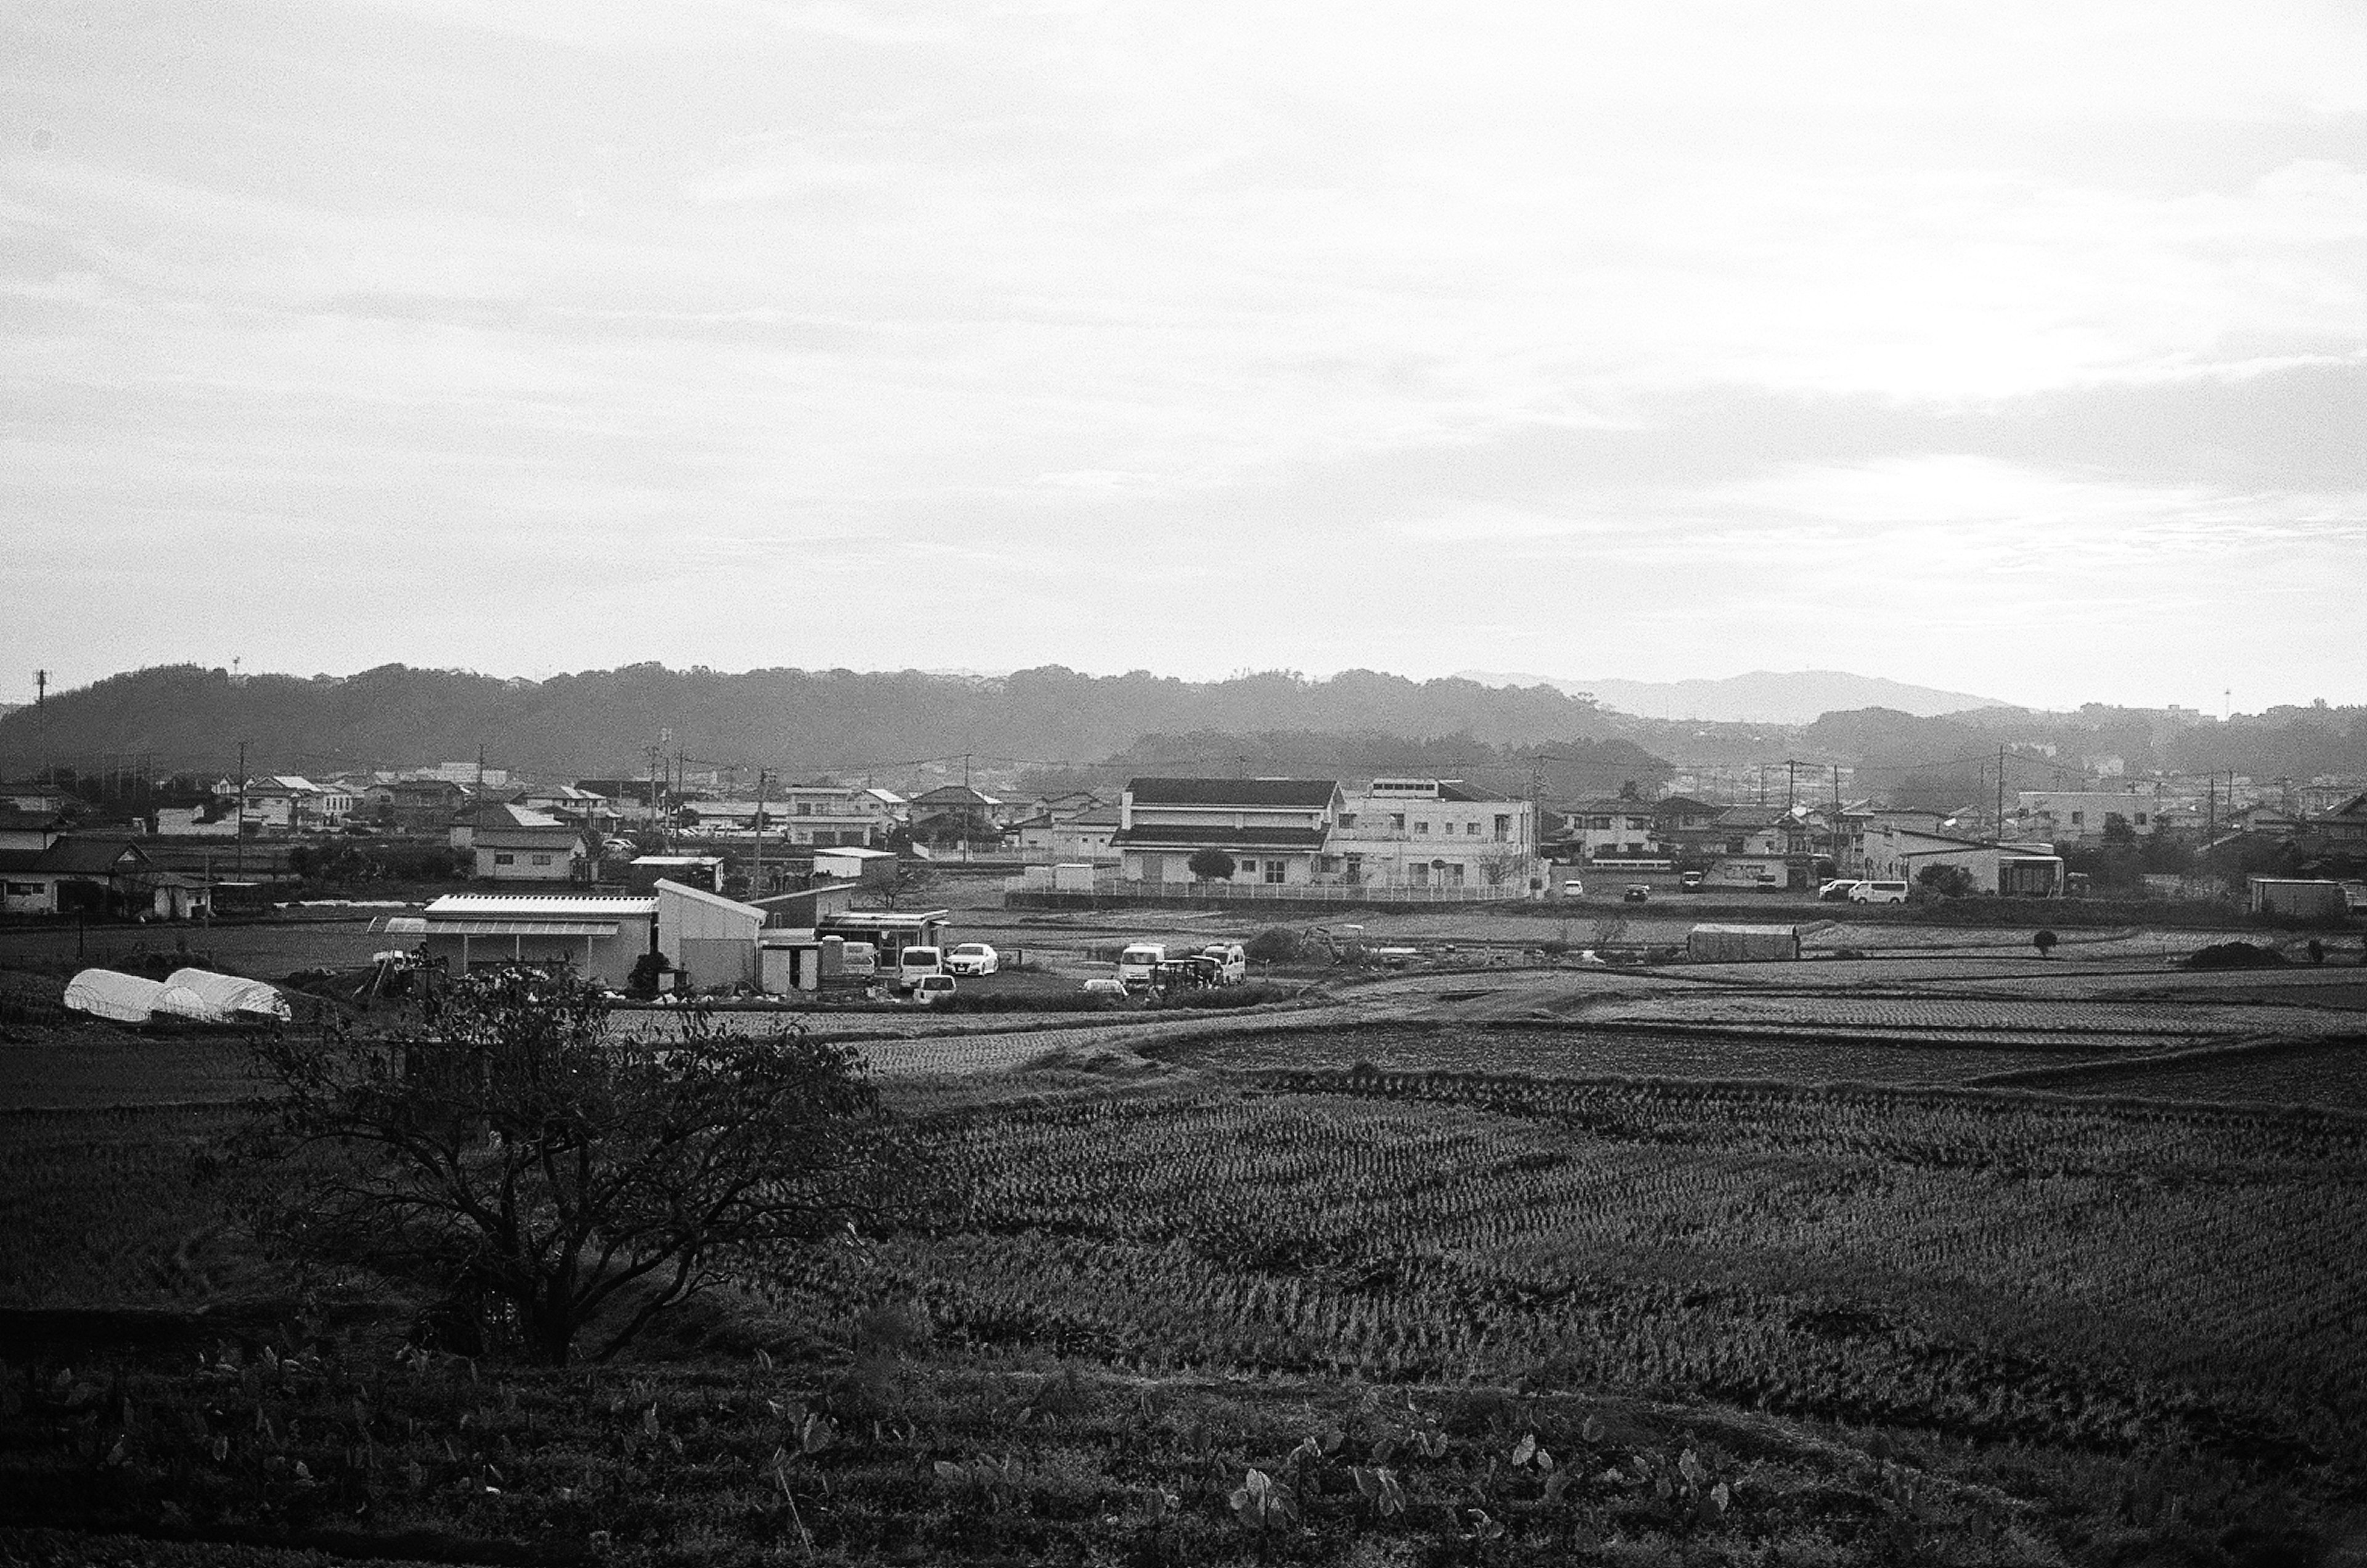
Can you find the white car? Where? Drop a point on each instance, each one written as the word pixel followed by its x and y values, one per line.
pixel 972 958
pixel 1105 985
pixel 933 988
pixel 1878 893
pixel 1232 963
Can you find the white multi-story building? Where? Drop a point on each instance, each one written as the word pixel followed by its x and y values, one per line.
pixel 1438 833
pixel 2073 816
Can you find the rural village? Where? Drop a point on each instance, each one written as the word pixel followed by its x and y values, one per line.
pixel 1148 1032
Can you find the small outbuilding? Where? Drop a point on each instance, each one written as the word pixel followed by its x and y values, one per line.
pixel 2296 897
pixel 1742 944
pixel 601 935
pixel 709 938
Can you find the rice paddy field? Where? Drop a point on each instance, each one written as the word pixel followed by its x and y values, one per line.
pixel 1830 1263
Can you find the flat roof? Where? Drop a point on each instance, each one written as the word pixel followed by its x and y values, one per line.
pixel 528 906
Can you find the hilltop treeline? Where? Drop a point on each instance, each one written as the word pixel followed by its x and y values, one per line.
pixel 600 722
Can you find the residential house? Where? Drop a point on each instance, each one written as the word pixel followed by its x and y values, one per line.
pixel 98 876
pixel 571 804
pixel 1617 828
pixel 1761 847
pixel 29 830
pixel 2340 831
pixel 1889 851
pixel 1426 833
pixel 217 819
pixel 957 816
pixel 1086 837
pixel 414 805
pixel 511 843
pixel 1277 831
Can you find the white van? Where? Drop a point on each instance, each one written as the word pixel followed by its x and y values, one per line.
pixel 860 959
pixel 1139 961
pixel 1232 963
pixel 1878 893
pixel 915 962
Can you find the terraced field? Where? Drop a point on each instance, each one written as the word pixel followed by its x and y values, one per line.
pixel 1553 1051
pixel 2322 1075
pixel 2111 1025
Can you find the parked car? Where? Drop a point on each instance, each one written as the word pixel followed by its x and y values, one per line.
pixel 1837 889
pixel 1573 888
pixel 859 959
pixel 972 958
pixel 1232 963
pixel 933 988
pixel 915 963
pixel 1878 893
pixel 1689 880
pixel 1105 985
pixel 1638 893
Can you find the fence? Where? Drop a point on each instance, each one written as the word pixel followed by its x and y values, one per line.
pixel 1118 890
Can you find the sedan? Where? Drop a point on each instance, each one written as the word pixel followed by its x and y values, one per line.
pixel 972 958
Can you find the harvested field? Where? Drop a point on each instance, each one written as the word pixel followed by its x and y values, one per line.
pixel 2321 1074
pixel 1591 1052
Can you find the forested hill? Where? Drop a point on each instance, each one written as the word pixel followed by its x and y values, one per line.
pixel 602 722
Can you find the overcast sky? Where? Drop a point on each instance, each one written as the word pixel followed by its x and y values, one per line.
pixel 2011 349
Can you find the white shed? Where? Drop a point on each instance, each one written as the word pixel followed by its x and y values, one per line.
pixel 710 939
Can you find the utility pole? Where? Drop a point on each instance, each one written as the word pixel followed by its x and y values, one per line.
pixel 756 876
pixel 1791 782
pixel 241 811
pixel 1998 837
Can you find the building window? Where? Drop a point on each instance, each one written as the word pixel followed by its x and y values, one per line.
pixel 1421 827
pixel 1275 870
pixel 1248 868
pixel 2077 818
pixel 1504 828
pixel 1396 821
pixel 24 890
pixel 542 859
pixel 1347 818
pixel 1419 874
pixel 2141 818
pixel 505 860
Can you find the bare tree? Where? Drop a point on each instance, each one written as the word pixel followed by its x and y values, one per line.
pixel 545 1168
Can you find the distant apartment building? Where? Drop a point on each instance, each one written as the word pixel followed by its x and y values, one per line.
pixel 1416 832
pixel 2079 816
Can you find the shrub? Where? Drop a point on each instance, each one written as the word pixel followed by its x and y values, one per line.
pixel 1275 944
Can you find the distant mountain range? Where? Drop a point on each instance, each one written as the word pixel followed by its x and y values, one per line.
pixel 1762 696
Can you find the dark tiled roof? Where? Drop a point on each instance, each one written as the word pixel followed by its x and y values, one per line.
pixel 1309 794
pixel 75 857
pixel 1218 838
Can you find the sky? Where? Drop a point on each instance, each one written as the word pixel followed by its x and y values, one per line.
pixel 2012 349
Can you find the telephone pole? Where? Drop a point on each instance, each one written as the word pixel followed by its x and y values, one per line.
pixel 241 811
pixel 756 875
pixel 1998 837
